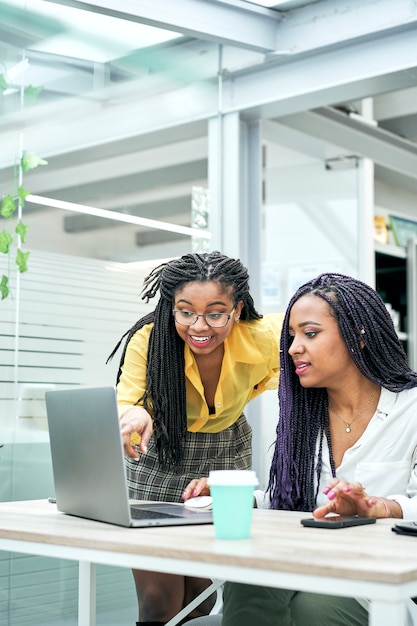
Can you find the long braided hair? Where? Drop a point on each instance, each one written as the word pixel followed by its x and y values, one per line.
pixel 165 395
pixel 368 332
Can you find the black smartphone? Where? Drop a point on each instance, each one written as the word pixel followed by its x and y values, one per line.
pixel 406 528
pixel 338 521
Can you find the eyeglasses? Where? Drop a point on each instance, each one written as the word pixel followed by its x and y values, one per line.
pixel 214 320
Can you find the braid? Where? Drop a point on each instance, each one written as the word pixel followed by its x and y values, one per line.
pixel 165 393
pixel 369 334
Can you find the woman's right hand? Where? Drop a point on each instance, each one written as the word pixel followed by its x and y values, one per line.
pixel 197 487
pixel 135 420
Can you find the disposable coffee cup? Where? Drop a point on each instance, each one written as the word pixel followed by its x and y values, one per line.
pixel 232 493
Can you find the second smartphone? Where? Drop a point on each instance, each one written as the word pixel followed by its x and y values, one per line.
pixel 338 521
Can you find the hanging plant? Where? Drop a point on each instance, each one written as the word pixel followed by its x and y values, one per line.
pixel 13 202
pixel 9 205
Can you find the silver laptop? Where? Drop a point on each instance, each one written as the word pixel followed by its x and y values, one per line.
pixel 88 463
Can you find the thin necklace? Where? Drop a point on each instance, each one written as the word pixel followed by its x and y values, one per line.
pixel 349 424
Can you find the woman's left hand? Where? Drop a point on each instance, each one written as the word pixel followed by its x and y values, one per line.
pixel 351 499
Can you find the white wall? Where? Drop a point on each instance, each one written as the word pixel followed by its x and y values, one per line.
pixel 395 199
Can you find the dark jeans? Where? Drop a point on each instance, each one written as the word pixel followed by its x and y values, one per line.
pixel 246 605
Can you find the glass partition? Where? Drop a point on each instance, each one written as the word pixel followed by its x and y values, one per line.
pixel 310 225
pixel 311 222
pixel 101 167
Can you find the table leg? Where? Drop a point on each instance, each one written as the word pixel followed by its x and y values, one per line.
pixel 198 600
pixel 387 613
pixel 86 594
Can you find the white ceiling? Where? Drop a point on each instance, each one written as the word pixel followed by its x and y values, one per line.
pixel 123 123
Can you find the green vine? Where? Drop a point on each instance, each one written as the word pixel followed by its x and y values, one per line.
pixel 11 202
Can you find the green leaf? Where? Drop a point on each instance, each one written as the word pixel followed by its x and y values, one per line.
pixel 21 260
pixel 5 241
pixel 21 230
pixel 22 193
pixel 4 289
pixel 30 160
pixel 31 94
pixel 3 83
pixel 8 206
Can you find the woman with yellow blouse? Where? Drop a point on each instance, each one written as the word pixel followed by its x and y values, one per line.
pixel 187 372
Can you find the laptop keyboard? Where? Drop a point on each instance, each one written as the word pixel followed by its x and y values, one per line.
pixel 148 514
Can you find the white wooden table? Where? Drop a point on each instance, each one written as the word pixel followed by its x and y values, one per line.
pixel 364 561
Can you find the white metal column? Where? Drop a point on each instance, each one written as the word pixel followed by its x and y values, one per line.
pixel 411 303
pixel 235 183
pixel 366 201
pixel 366 253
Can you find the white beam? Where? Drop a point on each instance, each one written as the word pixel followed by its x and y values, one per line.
pixel 361 67
pixel 94 171
pixel 116 216
pixel 267 91
pixel 396 104
pixel 360 138
pixel 355 71
pixel 233 22
pixel 114 122
pixel 314 26
pixel 329 23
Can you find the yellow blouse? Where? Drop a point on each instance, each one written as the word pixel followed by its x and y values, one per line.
pixel 250 366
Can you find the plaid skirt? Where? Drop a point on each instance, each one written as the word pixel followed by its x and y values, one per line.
pixel 228 449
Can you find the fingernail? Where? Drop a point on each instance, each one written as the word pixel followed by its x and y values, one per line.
pixel 326 490
pixel 194 492
pixel 347 488
pixel 373 501
pixel 331 495
pixel 183 495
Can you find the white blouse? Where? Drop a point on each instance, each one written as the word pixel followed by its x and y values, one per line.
pixel 383 459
